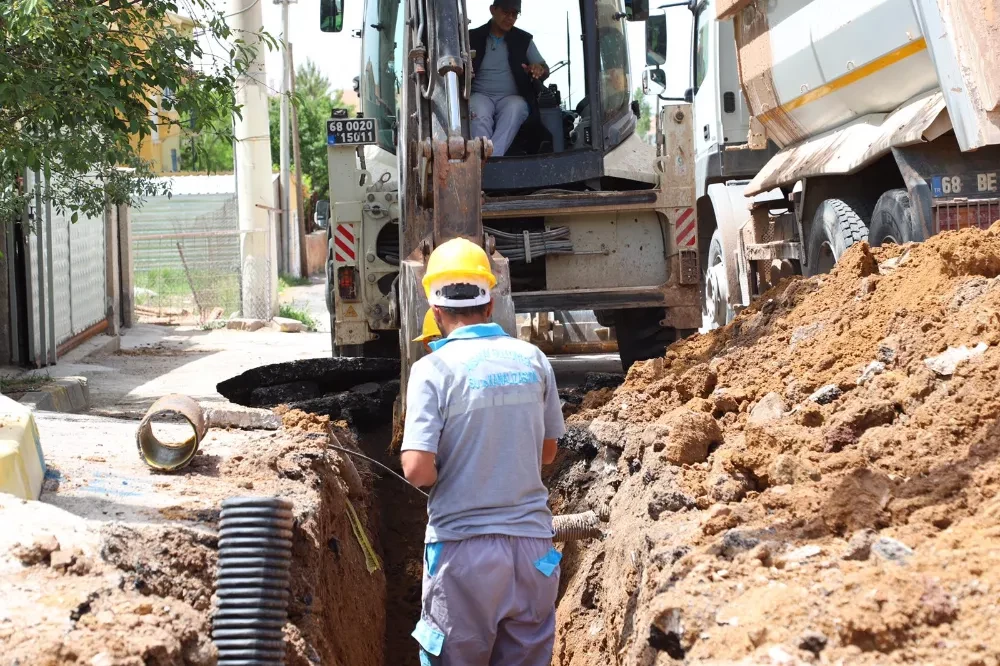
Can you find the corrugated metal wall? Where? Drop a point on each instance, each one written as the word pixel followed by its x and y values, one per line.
pixel 78 265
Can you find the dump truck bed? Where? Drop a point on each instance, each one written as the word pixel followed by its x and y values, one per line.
pixel 809 66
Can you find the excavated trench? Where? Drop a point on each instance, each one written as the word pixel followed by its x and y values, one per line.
pixel 355 398
pixel 367 617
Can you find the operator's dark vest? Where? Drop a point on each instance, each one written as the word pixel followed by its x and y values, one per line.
pixel 532 133
pixel 518 42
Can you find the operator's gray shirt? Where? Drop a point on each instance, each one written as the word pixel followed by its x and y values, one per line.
pixel 494 78
pixel 483 403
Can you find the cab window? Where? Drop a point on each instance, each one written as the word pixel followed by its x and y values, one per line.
pixel 382 73
pixel 613 47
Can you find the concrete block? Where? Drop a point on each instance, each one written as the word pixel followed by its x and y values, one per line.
pixel 245 324
pixel 288 325
pixel 22 464
pixel 229 415
pixel 68 395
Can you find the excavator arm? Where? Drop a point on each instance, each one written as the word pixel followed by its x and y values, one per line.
pixel 440 166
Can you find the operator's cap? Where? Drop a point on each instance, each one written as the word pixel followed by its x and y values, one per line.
pixel 508 4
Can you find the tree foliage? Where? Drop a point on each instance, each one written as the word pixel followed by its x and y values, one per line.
pixel 210 148
pixel 645 124
pixel 314 101
pixel 78 79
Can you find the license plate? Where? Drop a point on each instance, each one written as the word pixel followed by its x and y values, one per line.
pixel 350 131
pixel 982 184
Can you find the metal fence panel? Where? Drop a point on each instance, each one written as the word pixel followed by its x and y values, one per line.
pixel 87 265
pixel 186 251
pixel 62 278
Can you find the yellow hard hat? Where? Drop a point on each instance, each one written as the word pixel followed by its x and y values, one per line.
pixel 458 275
pixel 431 329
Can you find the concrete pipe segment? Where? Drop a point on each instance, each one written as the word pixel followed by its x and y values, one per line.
pixel 171 456
pixel 255 552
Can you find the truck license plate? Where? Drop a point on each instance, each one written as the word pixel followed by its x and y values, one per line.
pixel 984 184
pixel 350 131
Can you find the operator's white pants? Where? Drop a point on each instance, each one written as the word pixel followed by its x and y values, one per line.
pixel 498 119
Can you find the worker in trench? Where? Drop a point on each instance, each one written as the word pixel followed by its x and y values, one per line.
pixel 429 333
pixel 482 417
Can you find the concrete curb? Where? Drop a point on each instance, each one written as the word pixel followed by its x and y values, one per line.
pixel 68 394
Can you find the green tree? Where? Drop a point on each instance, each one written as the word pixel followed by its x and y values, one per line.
pixel 209 149
pixel 78 79
pixel 314 101
pixel 646 113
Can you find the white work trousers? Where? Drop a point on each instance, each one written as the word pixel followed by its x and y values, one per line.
pixel 498 119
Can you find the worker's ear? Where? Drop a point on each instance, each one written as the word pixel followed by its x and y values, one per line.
pixel 489 310
pixel 437 318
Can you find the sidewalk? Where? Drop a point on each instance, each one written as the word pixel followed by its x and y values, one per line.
pixel 156 360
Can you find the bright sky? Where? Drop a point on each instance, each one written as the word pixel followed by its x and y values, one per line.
pixel 338 55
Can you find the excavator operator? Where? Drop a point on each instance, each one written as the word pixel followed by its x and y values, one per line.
pixel 482 417
pixel 506 65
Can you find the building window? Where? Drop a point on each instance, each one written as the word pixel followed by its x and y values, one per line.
pixel 173 160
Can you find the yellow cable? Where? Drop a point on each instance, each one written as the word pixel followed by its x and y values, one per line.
pixel 371 558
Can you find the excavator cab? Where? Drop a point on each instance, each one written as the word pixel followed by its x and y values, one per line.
pixel 580 113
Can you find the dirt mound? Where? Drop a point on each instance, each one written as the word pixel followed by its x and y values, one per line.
pixel 815 483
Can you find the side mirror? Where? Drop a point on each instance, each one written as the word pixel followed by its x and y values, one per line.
pixel 659 77
pixel 636 10
pixel 322 213
pixel 656 40
pixel 331 15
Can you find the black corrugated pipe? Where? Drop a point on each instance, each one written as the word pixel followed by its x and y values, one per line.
pixel 255 552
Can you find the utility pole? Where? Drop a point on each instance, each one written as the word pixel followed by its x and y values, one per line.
pixel 287 234
pixel 252 154
pixel 297 154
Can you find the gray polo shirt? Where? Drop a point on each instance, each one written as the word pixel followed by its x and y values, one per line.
pixel 483 402
pixel 494 78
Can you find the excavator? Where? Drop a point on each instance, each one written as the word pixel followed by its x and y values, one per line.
pixel 588 218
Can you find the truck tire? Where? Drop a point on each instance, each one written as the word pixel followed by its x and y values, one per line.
pixel 892 220
pixel 640 335
pixel 836 226
pixel 716 311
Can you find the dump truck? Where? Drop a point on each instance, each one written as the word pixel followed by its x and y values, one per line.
pixel 823 123
pixel 589 217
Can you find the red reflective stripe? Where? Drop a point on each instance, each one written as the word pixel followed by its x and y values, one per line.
pixel 685 215
pixel 346 231
pixel 343 246
pixel 686 229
